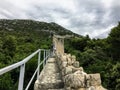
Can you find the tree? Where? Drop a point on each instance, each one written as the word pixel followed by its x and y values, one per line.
pixel 112 76
pixel 9 46
pixel 114 41
pixel 6 82
pixel 80 43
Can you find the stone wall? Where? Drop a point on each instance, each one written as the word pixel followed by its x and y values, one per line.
pixel 58 42
pixel 74 77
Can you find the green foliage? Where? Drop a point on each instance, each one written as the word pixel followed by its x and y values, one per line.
pixel 99 56
pixel 9 46
pixel 20 38
pixel 31 25
pixel 114 41
pixel 112 76
pixel 6 82
pixel 79 43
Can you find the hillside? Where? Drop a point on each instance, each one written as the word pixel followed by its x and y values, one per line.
pixel 28 36
pixel 31 25
pixel 20 38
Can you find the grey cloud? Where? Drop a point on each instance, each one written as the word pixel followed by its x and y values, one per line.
pixel 40 12
pixel 89 16
pixel 115 12
pixel 96 8
pixel 103 35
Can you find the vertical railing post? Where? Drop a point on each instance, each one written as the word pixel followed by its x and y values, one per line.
pixel 45 56
pixel 44 59
pixel 49 53
pixel 39 57
pixel 21 77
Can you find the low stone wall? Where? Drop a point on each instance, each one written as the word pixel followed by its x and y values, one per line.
pixel 74 77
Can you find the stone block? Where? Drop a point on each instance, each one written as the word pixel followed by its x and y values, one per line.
pixel 95 79
pixel 69 61
pixel 67 70
pixel 76 69
pixel 63 58
pixel 75 81
pixel 64 64
pixel 68 55
pixel 73 58
pixel 76 64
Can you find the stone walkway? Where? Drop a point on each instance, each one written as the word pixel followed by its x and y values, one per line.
pixel 50 78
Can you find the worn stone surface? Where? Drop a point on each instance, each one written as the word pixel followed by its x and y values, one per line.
pixel 76 64
pixel 66 71
pixel 50 77
pixel 68 77
pixel 63 72
pixel 95 79
pixel 74 76
pixel 58 41
pixel 75 80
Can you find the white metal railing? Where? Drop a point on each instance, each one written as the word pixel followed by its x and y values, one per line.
pixel 22 63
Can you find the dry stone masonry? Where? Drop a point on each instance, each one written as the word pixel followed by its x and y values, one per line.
pixel 58 42
pixel 63 72
pixel 74 77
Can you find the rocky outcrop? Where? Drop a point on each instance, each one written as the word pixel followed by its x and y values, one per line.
pixel 74 77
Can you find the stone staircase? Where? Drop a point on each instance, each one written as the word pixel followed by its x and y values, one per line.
pixel 50 77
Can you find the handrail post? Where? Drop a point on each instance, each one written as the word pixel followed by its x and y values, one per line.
pixel 49 54
pixel 44 59
pixel 45 56
pixel 39 57
pixel 21 77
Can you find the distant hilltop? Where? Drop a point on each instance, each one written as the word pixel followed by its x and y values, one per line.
pixel 32 25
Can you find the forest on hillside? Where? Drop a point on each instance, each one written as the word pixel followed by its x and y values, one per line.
pixel 20 38
pixel 99 55
pixel 95 55
pixel 14 47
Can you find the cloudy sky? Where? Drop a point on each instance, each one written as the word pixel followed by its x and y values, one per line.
pixel 93 17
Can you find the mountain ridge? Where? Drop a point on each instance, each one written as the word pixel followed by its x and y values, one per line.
pixel 28 24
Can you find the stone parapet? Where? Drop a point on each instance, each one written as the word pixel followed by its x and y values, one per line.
pixel 74 77
pixel 63 73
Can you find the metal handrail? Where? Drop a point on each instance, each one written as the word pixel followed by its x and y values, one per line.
pixel 44 60
pixel 22 63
